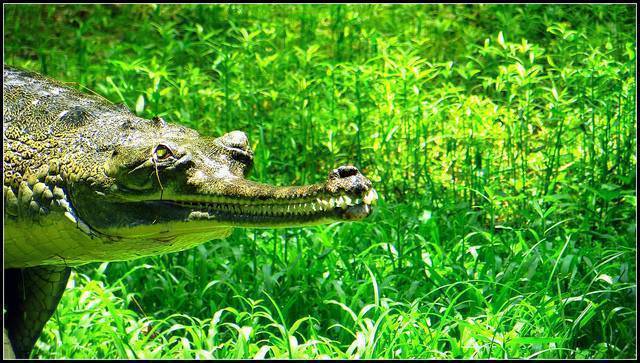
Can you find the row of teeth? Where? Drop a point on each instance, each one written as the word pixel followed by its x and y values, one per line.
pixel 369 198
pixel 319 205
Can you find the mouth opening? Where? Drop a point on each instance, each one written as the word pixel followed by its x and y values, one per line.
pixel 271 213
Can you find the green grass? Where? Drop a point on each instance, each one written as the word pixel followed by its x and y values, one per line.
pixel 501 139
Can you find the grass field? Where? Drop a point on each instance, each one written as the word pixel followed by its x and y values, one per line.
pixel 501 140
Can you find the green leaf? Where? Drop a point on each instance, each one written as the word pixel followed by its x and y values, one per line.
pixel 501 40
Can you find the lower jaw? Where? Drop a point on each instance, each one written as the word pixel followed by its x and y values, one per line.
pixel 156 219
pixel 216 224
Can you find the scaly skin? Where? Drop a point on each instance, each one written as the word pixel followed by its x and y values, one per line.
pixel 86 180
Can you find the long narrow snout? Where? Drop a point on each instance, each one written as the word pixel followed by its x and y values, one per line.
pixel 345 195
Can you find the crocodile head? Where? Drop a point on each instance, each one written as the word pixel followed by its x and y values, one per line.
pixel 165 181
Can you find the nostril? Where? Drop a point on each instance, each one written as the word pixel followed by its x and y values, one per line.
pixel 347 179
pixel 343 172
pixel 347 171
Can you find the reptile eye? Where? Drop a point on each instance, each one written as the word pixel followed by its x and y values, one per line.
pixel 162 152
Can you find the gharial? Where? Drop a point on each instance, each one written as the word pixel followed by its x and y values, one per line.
pixel 86 180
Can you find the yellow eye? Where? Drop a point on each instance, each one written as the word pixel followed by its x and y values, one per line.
pixel 162 152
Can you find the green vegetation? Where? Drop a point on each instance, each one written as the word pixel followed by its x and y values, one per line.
pixel 501 140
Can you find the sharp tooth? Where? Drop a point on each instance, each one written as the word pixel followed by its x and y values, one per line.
pixel 70 217
pixel 347 200
pixel 332 202
pixel 63 203
pixel 358 201
pixel 371 197
pixel 340 201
